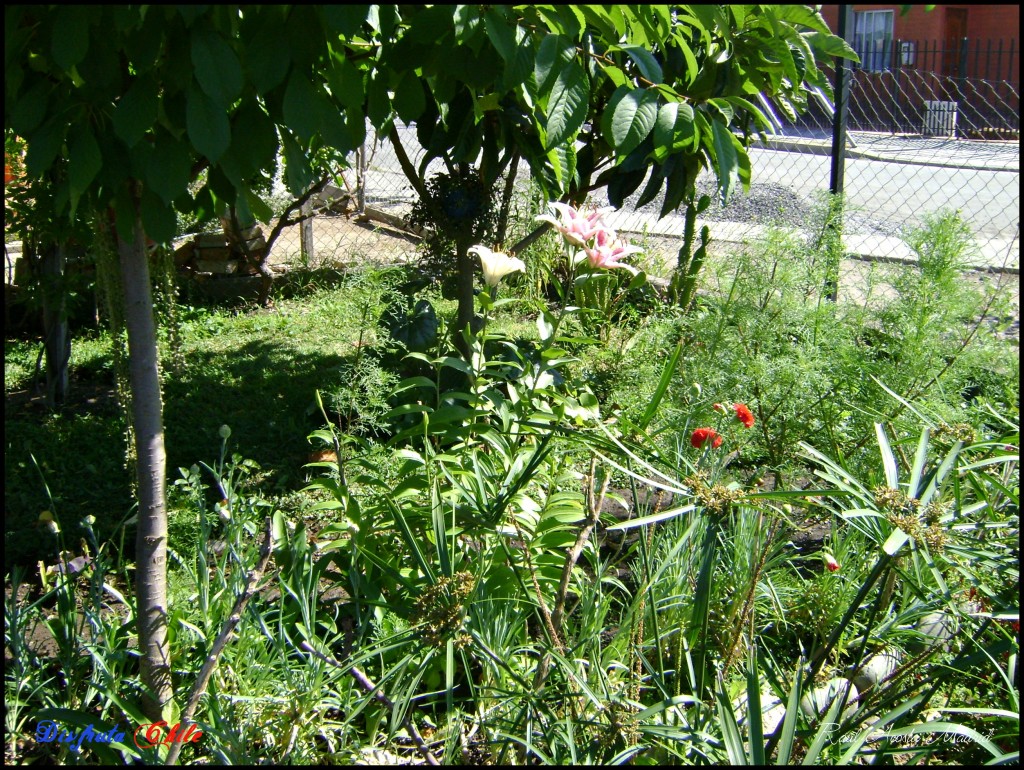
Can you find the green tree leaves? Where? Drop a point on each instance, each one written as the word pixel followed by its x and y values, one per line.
pixel 554 53
pixel 216 67
pixel 30 108
pixel 501 34
pixel 644 60
pixel 574 90
pixel 345 82
pixel 727 151
pixel 207 123
pixel 84 161
pixel 253 138
pixel 45 146
pixel 136 111
pixel 158 218
pixel 266 53
pixel 630 116
pixel 302 106
pixel 409 99
pixel 567 106
pixel 675 131
pixel 298 174
pixel 168 167
pixel 70 41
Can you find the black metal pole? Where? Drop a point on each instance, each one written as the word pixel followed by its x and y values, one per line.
pixel 841 88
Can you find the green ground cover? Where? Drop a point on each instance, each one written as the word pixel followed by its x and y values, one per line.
pixel 528 549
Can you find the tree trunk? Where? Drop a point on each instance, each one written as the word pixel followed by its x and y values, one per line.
pixel 506 200
pixel 464 287
pixel 147 422
pixel 52 263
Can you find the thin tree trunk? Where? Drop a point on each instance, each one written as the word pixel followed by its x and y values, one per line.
pixel 52 263
pixel 464 279
pixel 407 168
pixel 147 421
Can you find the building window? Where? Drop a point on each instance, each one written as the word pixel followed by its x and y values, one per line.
pixel 872 39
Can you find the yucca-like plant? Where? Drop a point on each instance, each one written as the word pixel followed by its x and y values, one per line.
pixel 929 540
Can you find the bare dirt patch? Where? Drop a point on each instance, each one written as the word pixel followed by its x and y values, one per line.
pixel 341 241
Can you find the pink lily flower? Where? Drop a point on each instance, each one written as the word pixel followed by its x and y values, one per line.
pixel 575 227
pixel 608 249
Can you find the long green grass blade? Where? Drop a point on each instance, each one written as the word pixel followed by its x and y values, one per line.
pixel 935 482
pixel 659 392
pixel 920 457
pixel 892 477
pixel 789 721
pixel 754 718
pixel 825 732
pixel 410 540
pixel 653 518
pixel 730 730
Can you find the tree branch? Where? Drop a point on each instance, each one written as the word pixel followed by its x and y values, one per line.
pixel 367 684
pixel 529 239
pixel 407 168
pixel 506 195
pixel 222 639
pixel 285 221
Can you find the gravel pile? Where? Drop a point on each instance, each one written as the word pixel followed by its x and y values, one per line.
pixel 767 203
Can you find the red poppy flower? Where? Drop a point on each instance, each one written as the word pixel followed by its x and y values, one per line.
pixel 702 436
pixel 744 415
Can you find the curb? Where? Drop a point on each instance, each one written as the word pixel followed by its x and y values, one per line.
pixel 860 247
pixel 997 269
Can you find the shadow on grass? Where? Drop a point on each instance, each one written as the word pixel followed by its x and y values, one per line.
pixel 241 292
pixel 263 390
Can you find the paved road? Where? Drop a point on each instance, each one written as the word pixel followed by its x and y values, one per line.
pixel 900 193
pixel 909 148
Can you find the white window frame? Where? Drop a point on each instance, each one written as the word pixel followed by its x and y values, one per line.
pixel 873 39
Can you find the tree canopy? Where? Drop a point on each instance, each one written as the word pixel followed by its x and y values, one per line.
pixel 588 95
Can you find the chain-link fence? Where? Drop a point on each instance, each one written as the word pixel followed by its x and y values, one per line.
pixel 909 154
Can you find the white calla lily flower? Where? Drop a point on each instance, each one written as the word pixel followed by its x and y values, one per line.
pixel 496 265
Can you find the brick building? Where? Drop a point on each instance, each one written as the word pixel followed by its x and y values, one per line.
pixel 974 41
pixel 953 70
